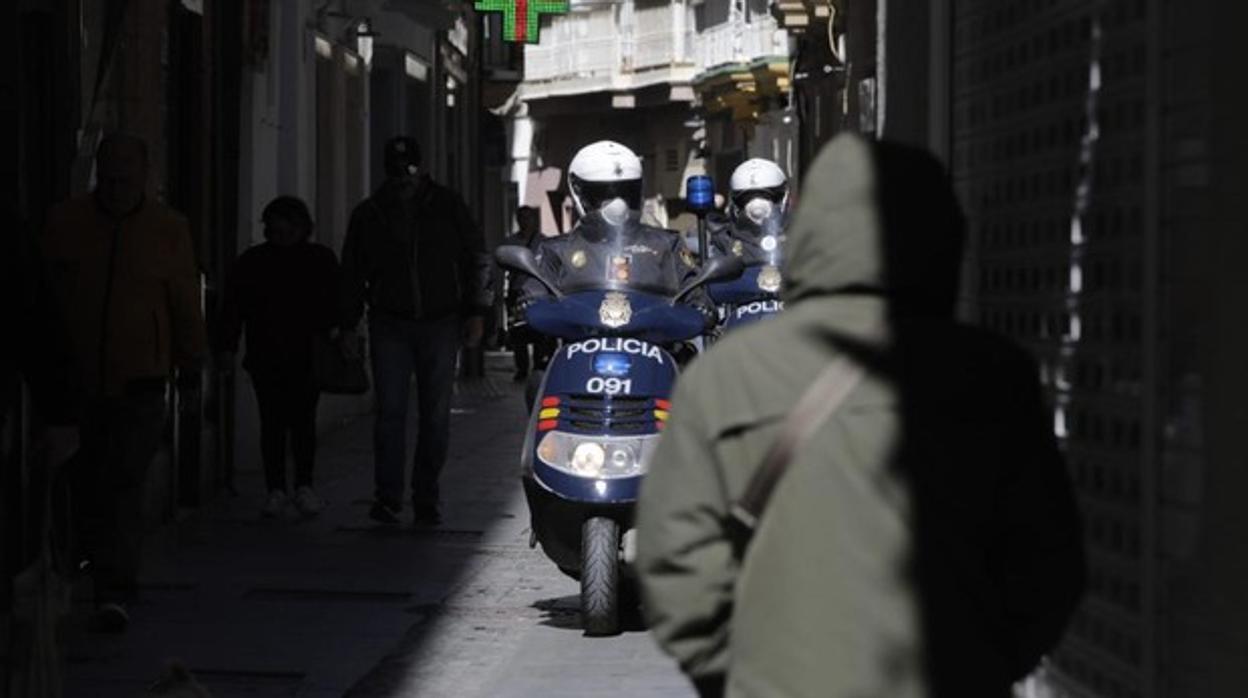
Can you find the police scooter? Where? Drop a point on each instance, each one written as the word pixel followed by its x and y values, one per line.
pixel 753 296
pixel 601 407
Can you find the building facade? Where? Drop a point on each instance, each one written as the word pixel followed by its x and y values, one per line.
pixel 744 87
pixel 325 89
pixel 692 87
pixel 241 101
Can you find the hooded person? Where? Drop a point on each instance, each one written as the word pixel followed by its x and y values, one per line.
pixel 122 286
pixel 924 541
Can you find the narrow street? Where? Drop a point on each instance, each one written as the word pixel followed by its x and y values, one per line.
pixel 336 606
pixel 209 203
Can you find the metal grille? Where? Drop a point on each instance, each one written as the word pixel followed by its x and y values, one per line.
pixel 618 414
pixel 1050 140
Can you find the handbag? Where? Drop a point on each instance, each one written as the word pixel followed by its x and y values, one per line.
pixel 829 391
pixel 335 372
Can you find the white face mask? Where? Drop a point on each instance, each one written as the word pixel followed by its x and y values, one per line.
pixel 615 211
pixel 758 210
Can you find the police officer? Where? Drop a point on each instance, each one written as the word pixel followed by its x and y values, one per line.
pixel 610 247
pixel 758 212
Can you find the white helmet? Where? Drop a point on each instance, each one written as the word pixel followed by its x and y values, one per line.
pixel 759 189
pixel 606 177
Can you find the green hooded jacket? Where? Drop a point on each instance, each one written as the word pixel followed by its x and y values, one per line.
pixel 925 541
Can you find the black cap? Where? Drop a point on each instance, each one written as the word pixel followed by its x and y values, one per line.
pixel 402 153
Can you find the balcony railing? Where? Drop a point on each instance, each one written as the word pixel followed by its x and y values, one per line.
pixel 590 51
pixel 741 42
pixel 659 49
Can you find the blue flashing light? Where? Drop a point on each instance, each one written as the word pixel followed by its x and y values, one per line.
pixel 700 193
pixel 608 364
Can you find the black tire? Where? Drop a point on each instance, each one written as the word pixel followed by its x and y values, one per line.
pixel 600 576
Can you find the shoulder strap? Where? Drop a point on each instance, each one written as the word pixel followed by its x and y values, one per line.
pixel 816 405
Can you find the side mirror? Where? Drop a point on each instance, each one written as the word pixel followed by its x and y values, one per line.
pixel 724 268
pixel 521 259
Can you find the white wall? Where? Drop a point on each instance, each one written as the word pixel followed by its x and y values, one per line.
pixel 278 129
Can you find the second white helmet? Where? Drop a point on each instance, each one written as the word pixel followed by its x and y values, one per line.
pixel 760 190
pixel 606 177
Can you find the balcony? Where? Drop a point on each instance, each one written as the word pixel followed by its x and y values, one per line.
pixel 798 16
pixel 619 47
pixel 743 62
pixel 738 42
pixel 611 48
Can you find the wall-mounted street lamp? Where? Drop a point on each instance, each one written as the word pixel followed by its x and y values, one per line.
pixel 364 36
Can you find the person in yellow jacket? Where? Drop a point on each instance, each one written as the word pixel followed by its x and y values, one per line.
pixel 122 274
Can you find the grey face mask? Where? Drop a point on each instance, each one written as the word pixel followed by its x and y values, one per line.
pixel 759 210
pixel 615 212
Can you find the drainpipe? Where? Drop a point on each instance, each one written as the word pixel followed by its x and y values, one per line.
pixel 678 31
pixel 881 65
pixel 1151 369
pixel 939 84
pixel 521 146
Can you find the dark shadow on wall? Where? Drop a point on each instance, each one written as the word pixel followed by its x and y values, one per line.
pixel 996 559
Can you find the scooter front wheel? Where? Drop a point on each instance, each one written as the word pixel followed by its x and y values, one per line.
pixel 600 576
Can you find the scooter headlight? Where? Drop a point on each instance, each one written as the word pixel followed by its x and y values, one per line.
pixel 600 457
pixel 588 458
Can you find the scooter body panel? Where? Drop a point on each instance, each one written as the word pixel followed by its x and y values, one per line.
pixel 598 386
pixel 744 301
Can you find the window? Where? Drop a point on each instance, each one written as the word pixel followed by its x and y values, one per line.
pixel 672 160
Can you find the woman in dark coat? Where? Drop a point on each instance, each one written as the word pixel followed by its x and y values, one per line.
pixel 281 293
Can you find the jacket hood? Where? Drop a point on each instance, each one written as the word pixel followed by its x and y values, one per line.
pixel 876 218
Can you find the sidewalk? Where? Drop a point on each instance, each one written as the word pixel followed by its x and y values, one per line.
pixel 335 606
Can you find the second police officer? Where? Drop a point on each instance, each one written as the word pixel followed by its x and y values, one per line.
pixel 755 232
pixel 758 213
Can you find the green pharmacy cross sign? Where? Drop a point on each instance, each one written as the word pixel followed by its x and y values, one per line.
pixel 522 19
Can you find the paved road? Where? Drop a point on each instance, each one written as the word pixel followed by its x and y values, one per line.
pixel 335 606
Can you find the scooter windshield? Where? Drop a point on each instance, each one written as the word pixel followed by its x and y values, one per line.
pixel 617 254
pixel 653 318
pixel 761 249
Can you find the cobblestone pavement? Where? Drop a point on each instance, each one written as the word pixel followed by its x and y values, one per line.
pixel 336 606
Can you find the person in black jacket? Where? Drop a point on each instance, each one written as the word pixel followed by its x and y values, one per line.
pixel 282 292
pixel 416 259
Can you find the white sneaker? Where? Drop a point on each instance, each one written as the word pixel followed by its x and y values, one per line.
pixel 307 501
pixel 275 504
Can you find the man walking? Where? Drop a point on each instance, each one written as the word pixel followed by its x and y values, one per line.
pixel 122 271
pixel 923 541
pixel 415 258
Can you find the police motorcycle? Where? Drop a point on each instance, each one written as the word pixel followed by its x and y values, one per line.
pixel 758 210
pixel 600 409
